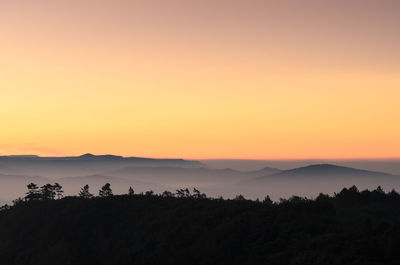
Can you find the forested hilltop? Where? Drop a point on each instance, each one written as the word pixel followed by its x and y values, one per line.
pixel 185 227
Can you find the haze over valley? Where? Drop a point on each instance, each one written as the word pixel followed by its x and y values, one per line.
pixel 250 178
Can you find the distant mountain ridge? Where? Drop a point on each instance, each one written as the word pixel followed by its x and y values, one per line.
pixel 264 171
pixel 145 174
pixel 88 156
pixel 328 170
pixel 82 165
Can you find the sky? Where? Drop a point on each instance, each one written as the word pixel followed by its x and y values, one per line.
pixel 245 79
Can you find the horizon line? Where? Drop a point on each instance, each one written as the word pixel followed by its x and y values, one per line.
pixel 214 158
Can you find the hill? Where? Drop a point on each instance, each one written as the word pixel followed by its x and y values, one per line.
pixel 322 170
pixel 309 180
pixel 350 228
pixel 87 164
pixel 181 176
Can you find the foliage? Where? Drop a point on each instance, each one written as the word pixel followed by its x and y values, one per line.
pixel 130 191
pixel 106 191
pixel 351 227
pixel 33 192
pixel 46 192
pixel 84 193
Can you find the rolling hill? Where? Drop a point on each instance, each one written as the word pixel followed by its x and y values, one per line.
pixel 323 170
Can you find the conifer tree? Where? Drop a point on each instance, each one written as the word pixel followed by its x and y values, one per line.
pixel 58 190
pixel 33 192
pixel 106 190
pixel 84 193
pixel 47 192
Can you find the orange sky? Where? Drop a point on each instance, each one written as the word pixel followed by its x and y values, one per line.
pixel 201 79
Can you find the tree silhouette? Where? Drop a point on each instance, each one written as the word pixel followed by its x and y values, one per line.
pixel 5 207
pixel 149 193
pixel 197 194
pixel 268 200
pixel 380 190
pixel 17 201
pixel 240 197
pixel 84 193
pixel 167 194
pixel 106 191
pixel 131 192
pixel 348 228
pixel 183 193
pixel 58 190
pixel 48 192
pixel 33 192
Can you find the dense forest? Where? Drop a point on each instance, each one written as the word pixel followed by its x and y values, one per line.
pixel 185 227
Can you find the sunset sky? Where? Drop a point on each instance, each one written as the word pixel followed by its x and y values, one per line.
pixel 201 79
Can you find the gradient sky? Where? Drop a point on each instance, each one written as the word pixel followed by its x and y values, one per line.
pixel 201 79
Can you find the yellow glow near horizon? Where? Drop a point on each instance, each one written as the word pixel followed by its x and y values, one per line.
pixel 73 81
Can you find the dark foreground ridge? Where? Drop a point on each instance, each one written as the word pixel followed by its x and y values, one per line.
pixel 351 227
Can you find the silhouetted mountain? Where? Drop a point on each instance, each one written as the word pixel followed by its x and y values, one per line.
pixel 100 157
pixel 264 171
pixel 56 167
pixel 160 174
pixel 322 170
pixel 88 155
pixel 391 166
pixel 308 181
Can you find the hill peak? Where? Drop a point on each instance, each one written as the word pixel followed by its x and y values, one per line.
pixel 87 155
pixel 327 169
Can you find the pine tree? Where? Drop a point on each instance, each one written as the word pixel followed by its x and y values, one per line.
pixel 48 192
pixel 240 197
pixel 197 194
pixel 183 193
pixel 167 194
pixel 268 200
pixel 149 193
pixel 33 192
pixel 58 190
pixel 106 190
pixel 84 193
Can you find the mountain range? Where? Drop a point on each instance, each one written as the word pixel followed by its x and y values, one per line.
pixel 170 174
pixel 326 170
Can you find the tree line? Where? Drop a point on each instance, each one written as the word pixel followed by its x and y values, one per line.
pixel 350 227
pixel 54 191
